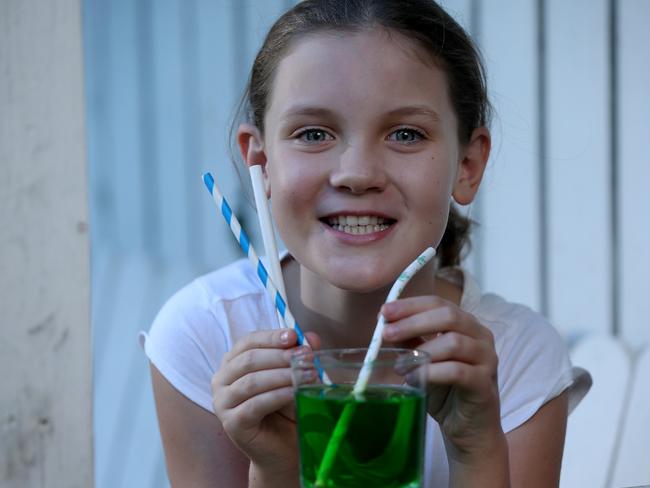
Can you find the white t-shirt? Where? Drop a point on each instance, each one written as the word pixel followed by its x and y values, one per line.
pixel 203 320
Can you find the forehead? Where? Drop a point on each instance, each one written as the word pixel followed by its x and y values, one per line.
pixel 354 70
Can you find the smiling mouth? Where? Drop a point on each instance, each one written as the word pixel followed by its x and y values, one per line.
pixel 359 224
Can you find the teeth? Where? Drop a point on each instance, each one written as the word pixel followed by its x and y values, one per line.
pixel 358 224
pixel 360 229
pixel 356 220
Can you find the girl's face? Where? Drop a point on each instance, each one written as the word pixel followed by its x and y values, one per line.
pixel 362 155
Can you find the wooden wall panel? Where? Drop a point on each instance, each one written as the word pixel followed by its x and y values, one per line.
pixel 114 399
pixel 125 165
pixel 220 69
pixel 634 170
pixel 97 21
pixel 510 225
pixel 169 63
pixel 578 165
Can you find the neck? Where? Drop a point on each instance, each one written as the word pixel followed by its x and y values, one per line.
pixel 340 317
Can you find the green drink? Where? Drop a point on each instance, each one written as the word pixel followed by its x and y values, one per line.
pixel 383 443
pixel 380 433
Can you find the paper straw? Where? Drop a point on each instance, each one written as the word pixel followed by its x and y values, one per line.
pixel 266 226
pixel 262 274
pixel 247 247
pixel 373 349
pixel 393 294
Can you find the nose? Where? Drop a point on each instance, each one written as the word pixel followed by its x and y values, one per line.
pixel 360 170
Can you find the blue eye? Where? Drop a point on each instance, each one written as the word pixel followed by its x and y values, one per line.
pixel 406 136
pixel 313 136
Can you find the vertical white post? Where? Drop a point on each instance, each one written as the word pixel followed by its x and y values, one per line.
pixel 45 347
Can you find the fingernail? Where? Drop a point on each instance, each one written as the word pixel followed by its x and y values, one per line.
pixel 284 337
pixel 390 331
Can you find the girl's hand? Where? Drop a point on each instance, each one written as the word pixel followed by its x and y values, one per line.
pixel 253 398
pixel 462 375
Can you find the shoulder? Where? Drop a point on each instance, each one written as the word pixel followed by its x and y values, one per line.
pixel 204 297
pixel 231 282
pixel 198 306
pixel 200 323
pixel 512 324
pixel 534 365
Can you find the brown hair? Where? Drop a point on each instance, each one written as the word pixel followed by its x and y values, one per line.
pixel 422 21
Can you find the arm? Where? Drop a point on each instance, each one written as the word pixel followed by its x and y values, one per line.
pixel 532 453
pixel 251 441
pixel 535 447
pixel 198 453
pixel 464 399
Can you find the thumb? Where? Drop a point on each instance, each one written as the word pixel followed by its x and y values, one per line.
pixel 314 340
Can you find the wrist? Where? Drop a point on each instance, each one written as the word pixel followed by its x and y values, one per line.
pixel 261 477
pixel 484 465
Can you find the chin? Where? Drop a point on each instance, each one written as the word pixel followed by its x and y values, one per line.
pixel 360 282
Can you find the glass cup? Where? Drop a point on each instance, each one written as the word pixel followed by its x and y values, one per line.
pixel 375 438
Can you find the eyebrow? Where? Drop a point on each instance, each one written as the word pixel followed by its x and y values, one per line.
pixel 311 110
pixel 416 110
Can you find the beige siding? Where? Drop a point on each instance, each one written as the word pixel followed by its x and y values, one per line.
pixel 45 362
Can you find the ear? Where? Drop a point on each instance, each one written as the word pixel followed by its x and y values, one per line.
pixel 472 166
pixel 251 146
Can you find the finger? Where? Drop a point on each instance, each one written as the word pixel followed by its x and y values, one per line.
pixel 432 322
pixel 251 412
pixel 459 347
pixel 405 307
pixel 436 397
pixel 253 360
pixel 455 373
pixel 254 384
pixel 277 338
pixel 289 412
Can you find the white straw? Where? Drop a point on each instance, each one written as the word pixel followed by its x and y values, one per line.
pixel 345 418
pixel 266 226
pixel 395 291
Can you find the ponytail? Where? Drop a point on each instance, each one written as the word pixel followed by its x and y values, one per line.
pixel 455 243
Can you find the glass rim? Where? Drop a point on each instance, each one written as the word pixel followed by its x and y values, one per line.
pixel 343 357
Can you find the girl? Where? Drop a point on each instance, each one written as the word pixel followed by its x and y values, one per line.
pixel 369 117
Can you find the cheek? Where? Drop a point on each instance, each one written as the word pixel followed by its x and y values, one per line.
pixel 294 187
pixel 436 209
pixel 433 189
pixel 431 200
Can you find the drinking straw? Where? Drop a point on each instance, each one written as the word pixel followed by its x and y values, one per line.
pixel 262 273
pixel 395 291
pixel 373 349
pixel 266 226
pixel 247 247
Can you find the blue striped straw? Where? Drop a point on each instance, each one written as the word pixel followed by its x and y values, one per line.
pixel 262 274
pixel 247 247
